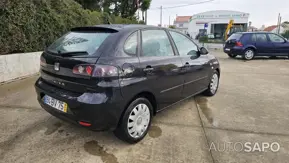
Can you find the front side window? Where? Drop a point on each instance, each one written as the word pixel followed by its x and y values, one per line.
pixel 261 38
pixel 156 43
pixel 78 41
pixel 130 45
pixel 184 45
pixel 276 38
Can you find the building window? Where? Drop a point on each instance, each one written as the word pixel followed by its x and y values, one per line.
pixel 181 25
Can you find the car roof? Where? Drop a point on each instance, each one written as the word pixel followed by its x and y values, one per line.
pixel 262 32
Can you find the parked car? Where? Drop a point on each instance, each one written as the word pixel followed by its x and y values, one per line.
pixel 251 44
pixel 113 77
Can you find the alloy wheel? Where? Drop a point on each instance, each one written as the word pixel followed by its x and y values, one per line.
pixel 249 54
pixel 214 83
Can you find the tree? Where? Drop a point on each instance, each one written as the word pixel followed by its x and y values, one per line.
pixel 286 34
pixel 123 8
pixel 145 5
pixel 90 4
pixel 172 27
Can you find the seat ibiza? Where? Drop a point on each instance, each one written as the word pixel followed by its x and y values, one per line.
pixel 116 77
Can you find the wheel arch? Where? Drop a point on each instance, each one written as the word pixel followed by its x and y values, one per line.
pixel 145 94
pixel 251 47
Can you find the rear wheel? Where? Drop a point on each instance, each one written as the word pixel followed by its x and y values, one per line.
pixel 249 54
pixel 232 55
pixel 135 122
pixel 214 84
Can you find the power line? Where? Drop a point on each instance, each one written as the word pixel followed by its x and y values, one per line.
pixel 171 7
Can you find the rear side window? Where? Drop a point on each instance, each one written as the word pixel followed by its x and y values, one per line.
pixel 130 45
pixel 261 37
pixel 235 36
pixel 156 43
pixel 253 38
pixel 78 42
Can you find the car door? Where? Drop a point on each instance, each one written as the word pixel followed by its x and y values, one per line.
pixel 161 67
pixel 263 45
pixel 281 46
pixel 196 67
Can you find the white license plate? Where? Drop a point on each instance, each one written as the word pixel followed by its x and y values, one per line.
pixel 59 105
pixel 227 49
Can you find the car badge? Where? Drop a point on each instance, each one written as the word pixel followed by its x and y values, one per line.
pixel 56 66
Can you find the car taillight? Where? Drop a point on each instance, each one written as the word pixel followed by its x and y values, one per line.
pixel 96 70
pixel 239 43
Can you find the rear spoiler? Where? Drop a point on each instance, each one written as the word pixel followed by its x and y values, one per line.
pixel 96 28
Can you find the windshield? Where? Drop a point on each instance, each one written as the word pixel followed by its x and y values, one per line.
pixel 78 42
pixel 235 36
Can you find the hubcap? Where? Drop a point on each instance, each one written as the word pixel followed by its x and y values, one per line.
pixel 138 120
pixel 214 83
pixel 249 54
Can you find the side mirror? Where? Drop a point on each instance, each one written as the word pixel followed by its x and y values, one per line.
pixel 203 51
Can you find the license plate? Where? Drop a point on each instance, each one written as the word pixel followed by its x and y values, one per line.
pixel 227 49
pixel 59 105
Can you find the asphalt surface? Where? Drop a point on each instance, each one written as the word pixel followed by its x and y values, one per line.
pixel 251 106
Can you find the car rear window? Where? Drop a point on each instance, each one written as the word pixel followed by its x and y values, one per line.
pixel 235 36
pixel 84 41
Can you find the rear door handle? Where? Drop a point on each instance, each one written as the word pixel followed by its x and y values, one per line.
pixel 187 64
pixel 148 69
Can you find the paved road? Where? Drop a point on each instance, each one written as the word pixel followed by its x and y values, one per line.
pixel 251 106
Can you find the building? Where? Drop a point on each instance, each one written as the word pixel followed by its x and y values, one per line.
pixel 274 29
pixel 182 23
pixel 216 22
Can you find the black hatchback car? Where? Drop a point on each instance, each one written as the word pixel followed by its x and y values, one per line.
pixel 251 44
pixel 116 77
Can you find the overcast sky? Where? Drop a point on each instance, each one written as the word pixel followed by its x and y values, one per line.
pixel 262 12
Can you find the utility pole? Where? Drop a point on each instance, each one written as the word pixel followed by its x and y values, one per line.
pixel 278 25
pixel 161 18
pixel 146 19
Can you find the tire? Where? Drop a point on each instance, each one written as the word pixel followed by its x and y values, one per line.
pixel 214 84
pixel 133 130
pixel 249 54
pixel 232 55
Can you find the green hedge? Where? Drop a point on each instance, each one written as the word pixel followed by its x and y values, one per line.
pixel 203 39
pixel 31 25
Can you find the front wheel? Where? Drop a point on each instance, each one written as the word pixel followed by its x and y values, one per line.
pixel 135 122
pixel 249 54
pixel 214 84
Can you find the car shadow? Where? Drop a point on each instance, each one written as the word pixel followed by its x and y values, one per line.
pixel 261 58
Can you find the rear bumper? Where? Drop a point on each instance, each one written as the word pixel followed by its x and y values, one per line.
pixel 101 110
pixel 234 50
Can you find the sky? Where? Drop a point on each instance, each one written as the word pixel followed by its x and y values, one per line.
pixel 262 12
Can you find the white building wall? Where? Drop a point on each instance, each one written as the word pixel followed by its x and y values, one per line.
pixel 215 17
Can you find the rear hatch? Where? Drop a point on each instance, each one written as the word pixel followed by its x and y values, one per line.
pixel 75 51
pixel 231 41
